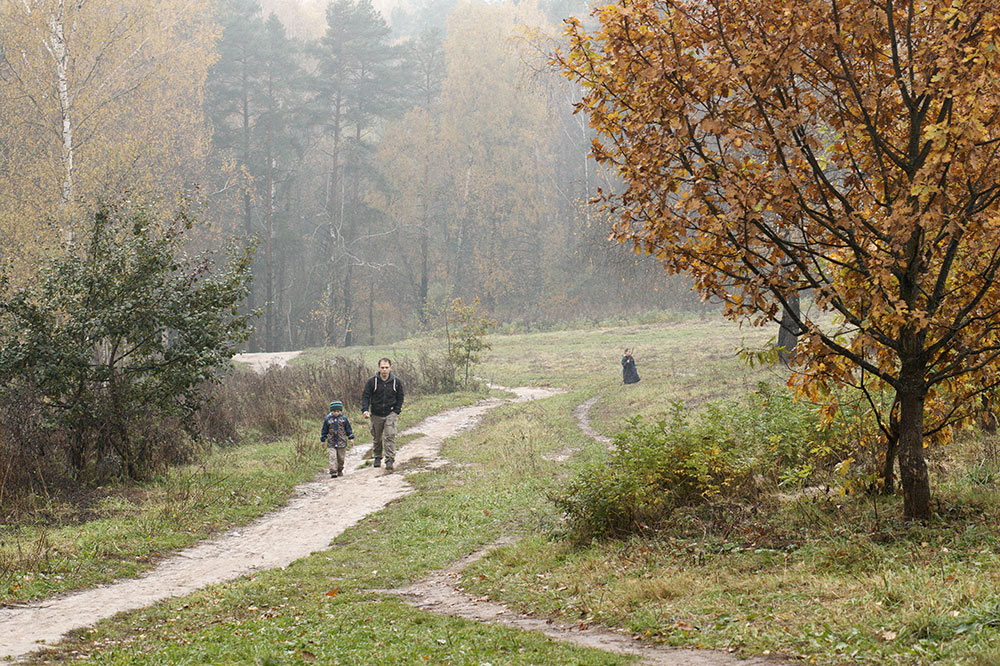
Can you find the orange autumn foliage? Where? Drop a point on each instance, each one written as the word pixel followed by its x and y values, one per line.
pixel 843 149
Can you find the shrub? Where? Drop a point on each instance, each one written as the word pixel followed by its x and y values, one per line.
pixel 113 339
pixel 730 452
pixel 427 374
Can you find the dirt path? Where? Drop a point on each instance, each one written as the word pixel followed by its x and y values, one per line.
pixel 261 361
pixel 582 414
pixel 440 593
pixel 311 519
pixel 307 524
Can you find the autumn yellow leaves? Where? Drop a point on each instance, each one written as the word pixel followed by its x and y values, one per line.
pixel 841 150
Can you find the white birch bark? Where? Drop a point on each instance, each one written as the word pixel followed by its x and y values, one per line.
pixel 58 47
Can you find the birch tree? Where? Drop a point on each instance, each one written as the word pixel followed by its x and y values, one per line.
pixel 98 95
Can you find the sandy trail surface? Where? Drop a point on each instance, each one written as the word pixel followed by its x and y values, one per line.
pixel 312 518
pixel 261 361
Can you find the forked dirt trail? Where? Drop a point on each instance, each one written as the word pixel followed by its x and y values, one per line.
pixel 441 592
pixel 313 517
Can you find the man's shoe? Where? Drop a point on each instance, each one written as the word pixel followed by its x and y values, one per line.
pixel 333 475
pixel 388 466
pixel 340 472
pixel 377 463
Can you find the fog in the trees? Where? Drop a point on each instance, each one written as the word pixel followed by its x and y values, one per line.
pixel 384 158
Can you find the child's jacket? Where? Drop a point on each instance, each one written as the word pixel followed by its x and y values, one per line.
pixel 336 431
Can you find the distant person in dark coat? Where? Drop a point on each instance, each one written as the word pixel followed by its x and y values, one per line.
pixel 629 374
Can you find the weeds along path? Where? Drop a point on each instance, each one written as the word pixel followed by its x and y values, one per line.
pixel 310 520
pixel 440 593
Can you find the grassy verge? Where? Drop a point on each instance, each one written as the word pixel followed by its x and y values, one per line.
pixel 123 532
pixel 829 578
pixel 841 592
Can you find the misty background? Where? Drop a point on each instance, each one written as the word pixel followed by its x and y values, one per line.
pixel 383 157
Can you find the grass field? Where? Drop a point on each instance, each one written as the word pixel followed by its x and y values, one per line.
pixel 825 578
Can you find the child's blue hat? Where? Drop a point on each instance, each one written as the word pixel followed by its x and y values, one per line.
pixel 338 405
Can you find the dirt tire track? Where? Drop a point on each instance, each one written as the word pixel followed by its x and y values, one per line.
pixel 310 520
pixel 441 593
pixel 582 414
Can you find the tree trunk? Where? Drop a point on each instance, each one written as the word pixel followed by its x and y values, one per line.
pixel 463 232
pixel 268 235
pixel 60 52
pixel 348 306
pixel 371 312
pixel 788 333
pixel 423 314
pixel 247 201
pixel 891 449
pixel 913 477
pixel 334 213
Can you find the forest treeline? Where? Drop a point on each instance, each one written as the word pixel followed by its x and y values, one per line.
pixel 379 170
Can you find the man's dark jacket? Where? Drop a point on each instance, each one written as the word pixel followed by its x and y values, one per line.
pixel 382 397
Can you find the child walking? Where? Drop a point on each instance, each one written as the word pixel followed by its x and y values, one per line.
pixel 336 432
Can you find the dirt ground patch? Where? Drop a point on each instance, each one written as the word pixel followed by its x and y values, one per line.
pixel 261 361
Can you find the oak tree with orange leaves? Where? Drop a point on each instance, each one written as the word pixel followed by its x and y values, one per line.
pixel 848 150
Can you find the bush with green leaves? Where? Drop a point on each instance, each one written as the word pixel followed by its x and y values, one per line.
pixel 466 328
pixel 729 452
pixel 113 340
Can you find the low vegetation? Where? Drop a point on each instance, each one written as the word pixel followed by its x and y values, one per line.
pixel 103 357
pixel 727 459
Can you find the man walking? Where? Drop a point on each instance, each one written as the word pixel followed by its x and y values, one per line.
pixel 381 401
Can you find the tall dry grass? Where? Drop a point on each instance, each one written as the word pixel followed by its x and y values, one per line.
pixel 35 458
